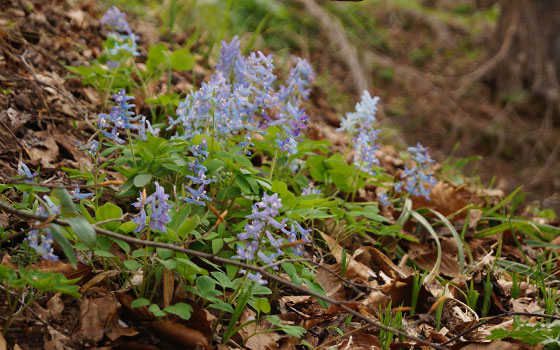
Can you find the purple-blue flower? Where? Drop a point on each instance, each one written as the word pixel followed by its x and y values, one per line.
pixel 197 196
pixel 310 189
pixel 416 178
pixel 125 39
pixel 24 171
pixel 44 249
pixel 383 199
pixel 159 207
pixel 79 195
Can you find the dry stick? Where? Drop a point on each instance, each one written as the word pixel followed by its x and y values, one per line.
pixel 220 260
pixel 506 314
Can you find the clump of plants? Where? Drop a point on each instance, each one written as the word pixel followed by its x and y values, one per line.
pixel 225 170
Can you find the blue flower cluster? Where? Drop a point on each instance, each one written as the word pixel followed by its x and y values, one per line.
pixel 259 241
pixel 239 96
pixel 359 124
pixel 198 196
pixel 119 117
pixel 125 39
pixel 90 147
pixel 159 210
pixel 44 249
pixel 417 177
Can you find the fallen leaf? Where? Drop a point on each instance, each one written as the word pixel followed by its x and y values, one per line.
pixel 3 345
pixel 180 334
pixel 255 336
pixel 354 268
pixel 94 313
pixel 55 306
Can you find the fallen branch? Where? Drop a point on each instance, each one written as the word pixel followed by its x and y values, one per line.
pixel 220 260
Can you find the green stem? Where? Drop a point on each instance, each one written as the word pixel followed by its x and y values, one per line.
pixel 274 160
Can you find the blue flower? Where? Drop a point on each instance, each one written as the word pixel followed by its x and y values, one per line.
pixel 383 199
pixel 126 40
pixel 310 189
pixel 159 207
pixel 364 114
pixel 140 221
pixel 79 195
pixel 90 147
pixel 45 249
pixel 197 196
pixel 24 171
pixel 417 178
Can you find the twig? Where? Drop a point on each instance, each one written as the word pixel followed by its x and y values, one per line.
pixel 506 314
pixel 223 261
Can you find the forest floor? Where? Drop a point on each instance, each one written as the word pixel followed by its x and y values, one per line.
pixel 426 95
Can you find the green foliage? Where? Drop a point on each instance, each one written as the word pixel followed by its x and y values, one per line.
pixel 547 334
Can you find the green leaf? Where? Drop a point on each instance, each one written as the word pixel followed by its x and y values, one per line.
pixel 66 205
pixel 262 305
pixel 221 305
pixel 131 265
pixel 142 179
pixel 103 253
pixel 154 308
pixel 223 279
pixel 182 60
pixel 156 56
pixel 188 225
pixel 127 227
pixel 139 303
pixel 217 245
pixel 165 253
pixel 83 230
pixel 60 238
pixel 106 212
pixel 182 310
pixel 316 287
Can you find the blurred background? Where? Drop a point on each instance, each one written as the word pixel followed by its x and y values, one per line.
pixel 477 81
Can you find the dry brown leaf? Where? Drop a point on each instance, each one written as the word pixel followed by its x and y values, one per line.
pixel 252 334
pixel 361 341
pixel 94 313
pixel 57 341
pixel 332 285
pixel 97 279
pixel 55 306
pixel 43 147
pixel 354 269
pixel 3 345
pixel 425 256
pixel 116 328
pixel 447 199
pixel 371 256
pixel 181 335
